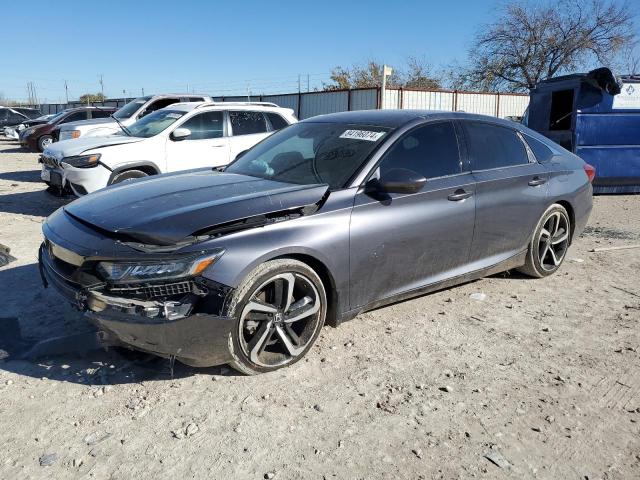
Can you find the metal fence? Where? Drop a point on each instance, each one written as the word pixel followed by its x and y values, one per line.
pixel 310 104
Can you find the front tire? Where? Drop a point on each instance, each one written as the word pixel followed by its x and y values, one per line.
pixel 279 311
pixel 549 244
pixel 44 141
pixel 128 175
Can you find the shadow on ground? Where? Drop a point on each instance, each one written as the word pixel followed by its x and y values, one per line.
pixel 34 314
pixel 39 204
pixel 16 150
pixel 22 176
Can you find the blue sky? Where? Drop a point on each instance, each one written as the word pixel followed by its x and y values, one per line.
pixel 219 47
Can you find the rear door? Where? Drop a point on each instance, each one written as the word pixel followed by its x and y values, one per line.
pixel 207 146
pixel 401 242
pixel 247 128
pixel 511 191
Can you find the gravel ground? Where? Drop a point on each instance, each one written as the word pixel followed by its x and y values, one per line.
pixel 541 379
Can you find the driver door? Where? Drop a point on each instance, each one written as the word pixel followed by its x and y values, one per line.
pixel 401 242
pixel 207 146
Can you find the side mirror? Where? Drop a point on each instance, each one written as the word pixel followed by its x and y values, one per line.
pixel 180 134
pixel 399 180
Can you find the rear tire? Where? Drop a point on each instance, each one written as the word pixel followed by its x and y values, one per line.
pixel 279 310
pixel 44 141
pixel 549 243
pixel 128 175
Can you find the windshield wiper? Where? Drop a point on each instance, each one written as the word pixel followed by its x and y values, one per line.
pixel 121 125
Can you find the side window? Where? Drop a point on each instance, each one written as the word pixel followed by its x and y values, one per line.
pixel 542 153
pixel 430 150
pixel 15 117
pixel 76 116
pixel 4 113
pixel 244 122
pixel 158 104
pixel 205 125
pixel 193 99
pixel 100 113
pixel 493 146
pixel 277 122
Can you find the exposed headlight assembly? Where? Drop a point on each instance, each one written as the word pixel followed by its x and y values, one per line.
pixel 128 272
pixel 82 161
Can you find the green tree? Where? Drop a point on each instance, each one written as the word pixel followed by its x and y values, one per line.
pixel 415 74
pixel 92 97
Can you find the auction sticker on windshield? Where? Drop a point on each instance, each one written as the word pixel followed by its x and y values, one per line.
pixel 362 135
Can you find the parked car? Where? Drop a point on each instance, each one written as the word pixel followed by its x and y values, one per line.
pixel 13 131
pixel 127 115
pixel 325 219
pixel 596 116
pixel 41 136
pixel 179 137
pixel 10 116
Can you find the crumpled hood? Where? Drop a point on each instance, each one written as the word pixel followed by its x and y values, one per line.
pixel 69 148
pixel 165 209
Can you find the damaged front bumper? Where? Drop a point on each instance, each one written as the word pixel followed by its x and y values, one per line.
pixel 163 327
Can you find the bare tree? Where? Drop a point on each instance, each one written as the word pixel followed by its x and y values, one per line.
pixel 416 74
pixel 529 42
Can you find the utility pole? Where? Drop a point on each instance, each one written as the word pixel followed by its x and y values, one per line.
pixel 66 91
pixel 143 91
pixel 298 84
pixel 248 93
pixel 386 71
pixel 101 86
pixel 307 83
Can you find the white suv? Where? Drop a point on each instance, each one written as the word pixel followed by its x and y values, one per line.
pixel 182 136
pixel 127 115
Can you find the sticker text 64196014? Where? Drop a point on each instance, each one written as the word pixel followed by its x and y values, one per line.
pixel 362 135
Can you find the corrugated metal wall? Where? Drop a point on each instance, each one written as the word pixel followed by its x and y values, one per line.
pixel 512 105
pixel 427 100
pixel 310 104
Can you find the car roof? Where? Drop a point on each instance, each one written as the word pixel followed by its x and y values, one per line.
pixel 398 118
pixel 189 106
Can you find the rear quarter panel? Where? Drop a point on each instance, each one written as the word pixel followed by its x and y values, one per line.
pixel 568 183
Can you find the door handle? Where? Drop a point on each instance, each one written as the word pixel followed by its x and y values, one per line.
pixel 536 181
pixel 217 146
pixel 459 194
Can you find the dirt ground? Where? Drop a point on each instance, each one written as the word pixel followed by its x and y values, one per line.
pixel 541 379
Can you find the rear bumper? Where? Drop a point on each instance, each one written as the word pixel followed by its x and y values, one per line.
pixel 198 339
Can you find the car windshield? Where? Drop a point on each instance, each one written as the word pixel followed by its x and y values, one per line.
pixel 130 108
pixel 154 123
pixel 309 153
pixel 58 116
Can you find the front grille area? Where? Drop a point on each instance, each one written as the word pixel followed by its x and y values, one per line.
pixel 49 161
pixel 152 291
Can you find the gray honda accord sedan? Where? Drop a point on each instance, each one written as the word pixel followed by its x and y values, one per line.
pixel 323 220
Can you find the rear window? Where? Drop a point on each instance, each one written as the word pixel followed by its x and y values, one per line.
pixel 277 122
pixel 245 122
pixel 101 113
pixel 542 153
pixel 494 146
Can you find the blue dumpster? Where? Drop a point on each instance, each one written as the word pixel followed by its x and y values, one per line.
pixel 596 116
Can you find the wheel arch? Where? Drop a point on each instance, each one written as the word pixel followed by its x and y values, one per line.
pixel 572 216
pixel 149 168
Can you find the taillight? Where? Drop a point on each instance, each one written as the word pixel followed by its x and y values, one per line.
pixel 590 171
